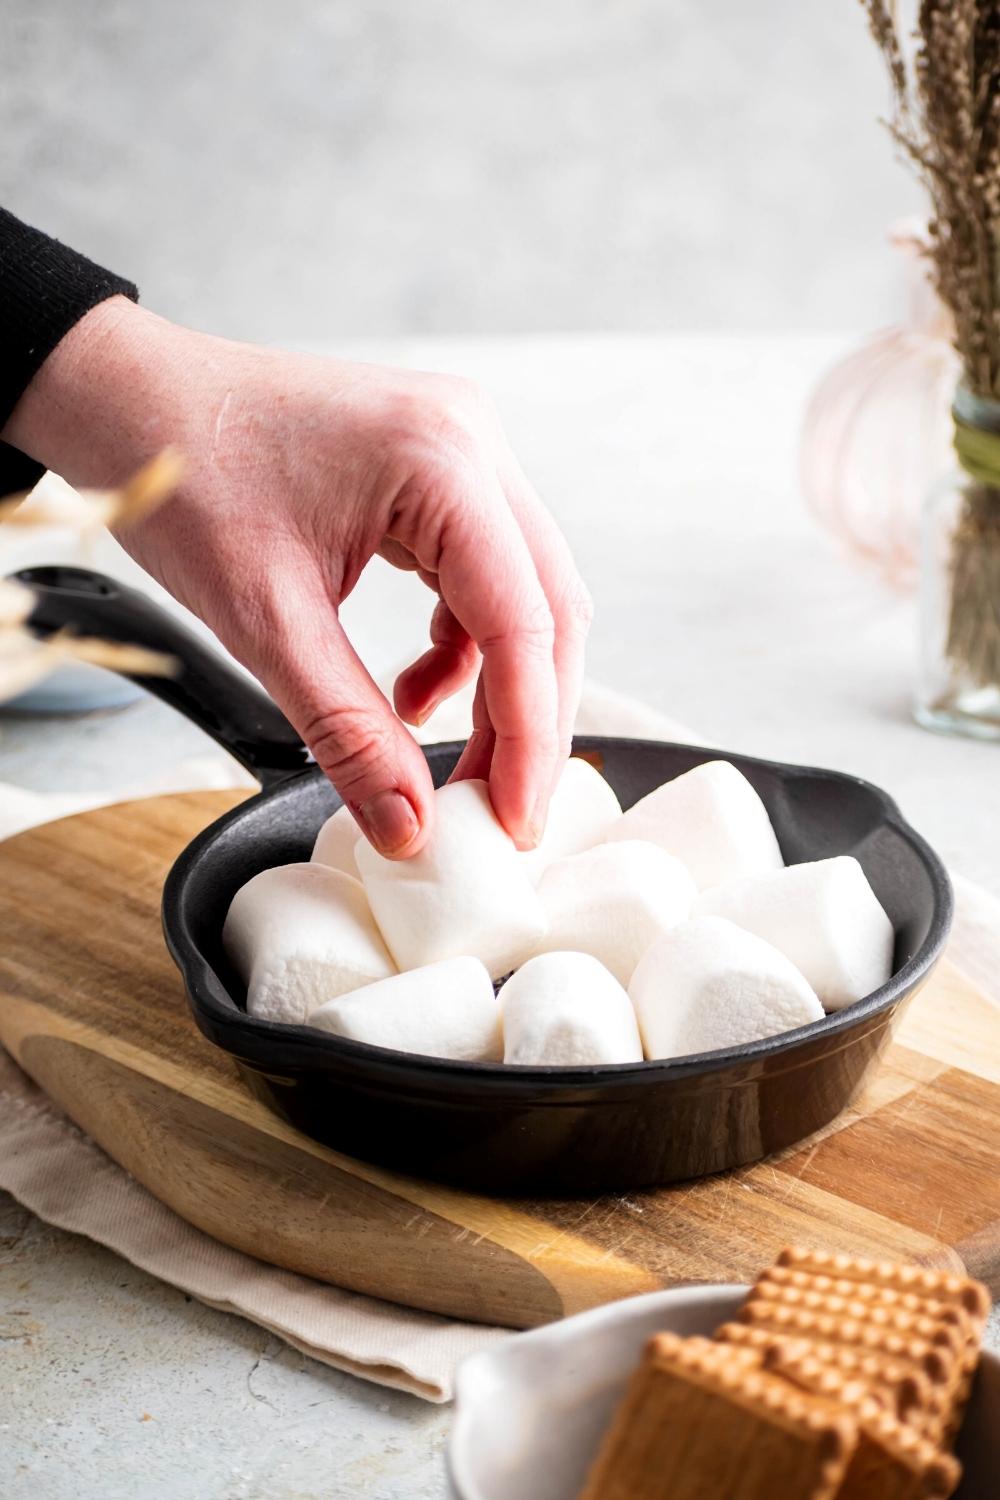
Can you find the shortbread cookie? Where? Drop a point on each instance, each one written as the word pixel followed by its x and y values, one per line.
pixel 958 1300
pixel 842 1379
pixel 912 1397
pixel 920 1391
pixel 903 1394
pixel 936 1322
pixel 879 1293
pixel 890 1333
pixel 942 1286
pixel 696 1424
pixel 891 1460
pixel 939 1350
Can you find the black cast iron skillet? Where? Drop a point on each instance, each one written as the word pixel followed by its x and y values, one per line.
pixel 483 1126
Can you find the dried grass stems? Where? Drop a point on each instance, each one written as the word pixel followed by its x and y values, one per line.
pixel 946 119
pixel 24 660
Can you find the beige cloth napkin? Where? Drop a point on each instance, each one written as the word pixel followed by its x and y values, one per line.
pixel 54 1170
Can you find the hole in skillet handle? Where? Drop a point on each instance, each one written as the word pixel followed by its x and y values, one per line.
pixel 207 688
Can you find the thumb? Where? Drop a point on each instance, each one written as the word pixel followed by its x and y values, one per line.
pixel 320 683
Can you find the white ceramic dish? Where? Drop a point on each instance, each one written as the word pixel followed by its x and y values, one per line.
pixel 531 1411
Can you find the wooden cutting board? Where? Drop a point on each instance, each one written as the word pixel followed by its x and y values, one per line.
pixel 92 1007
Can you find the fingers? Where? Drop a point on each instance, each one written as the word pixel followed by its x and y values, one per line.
pixel 565 591
pixel 470 538
pixel 451 662
pixel 509 586
pixel 495 593
pixel 476 760
pixel 314 674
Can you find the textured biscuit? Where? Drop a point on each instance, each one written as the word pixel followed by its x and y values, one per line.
pixel 949 1329
pixel 933 1362
pixel 807 1286
pixel 945 1427
pixel 891 1460
pixel 941 1286
pixel 698 1423
pixel 955 1302
pixel 905 1395
pixel 839 1379
pixel 746 1356
pixel 920 1391
pixel 906 1335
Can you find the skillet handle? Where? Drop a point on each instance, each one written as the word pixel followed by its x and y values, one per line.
pixel 206 689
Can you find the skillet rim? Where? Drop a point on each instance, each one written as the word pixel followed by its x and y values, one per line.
pixel 314 1051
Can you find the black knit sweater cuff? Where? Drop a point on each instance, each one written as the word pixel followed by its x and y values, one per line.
pixel 45 288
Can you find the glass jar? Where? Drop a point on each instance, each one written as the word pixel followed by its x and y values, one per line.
pixel 959 690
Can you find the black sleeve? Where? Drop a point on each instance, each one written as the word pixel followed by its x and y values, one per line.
pixel 44 289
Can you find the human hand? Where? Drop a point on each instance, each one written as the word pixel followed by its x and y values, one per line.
pixel 299 470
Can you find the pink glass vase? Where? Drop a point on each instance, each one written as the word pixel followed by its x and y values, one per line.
pixel 877 430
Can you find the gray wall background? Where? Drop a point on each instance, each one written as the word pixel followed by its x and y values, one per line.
pixel 311 169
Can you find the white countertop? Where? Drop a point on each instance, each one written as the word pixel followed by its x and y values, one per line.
pixel 671 465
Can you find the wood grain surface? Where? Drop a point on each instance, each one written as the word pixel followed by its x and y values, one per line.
pixel 92 1007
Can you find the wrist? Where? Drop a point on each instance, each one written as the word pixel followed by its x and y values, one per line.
pixel 94 411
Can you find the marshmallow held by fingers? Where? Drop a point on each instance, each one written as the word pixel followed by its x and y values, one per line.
pixel 566 1010
pixel 582 812
pixel 710 984
pixel 613 901
pixel 447 1009
pixel 824 916
pixel 467 892
pixel 301 934
pixel 335 842
pixel 711 819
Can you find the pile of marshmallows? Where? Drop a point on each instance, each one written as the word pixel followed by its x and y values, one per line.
pixel 670 929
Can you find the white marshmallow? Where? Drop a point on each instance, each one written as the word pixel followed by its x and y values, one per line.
pixel 465 893
pixel 582 811
pixel 613 901
pixel 566 1010
pixel 711 819
pixel 710 984
pixel 335 842
pixel 824 916
pixel 301 934
pixel 447 1009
